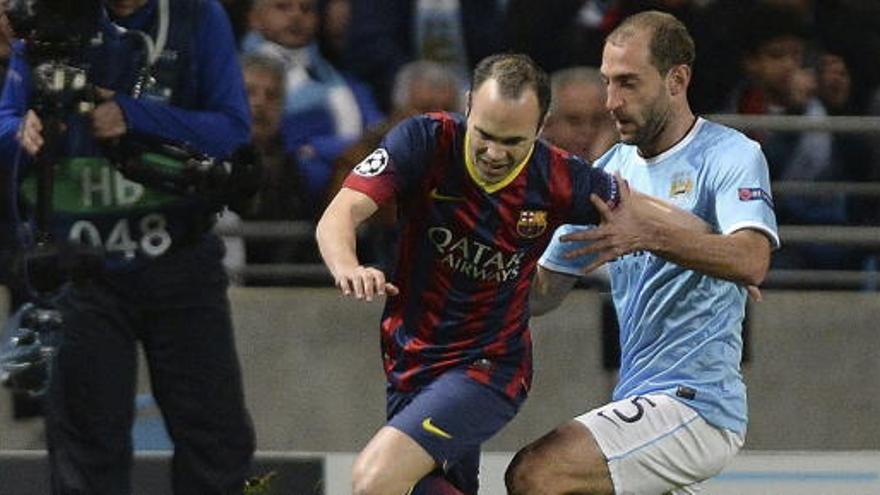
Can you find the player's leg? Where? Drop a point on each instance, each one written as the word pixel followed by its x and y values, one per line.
pixel 436 483
pixel 390 464
pixel 566 460
pixel 648 444
pixel 437 430
pixel 460 478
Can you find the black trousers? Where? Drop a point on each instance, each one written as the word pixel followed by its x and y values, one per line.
pixel 177 308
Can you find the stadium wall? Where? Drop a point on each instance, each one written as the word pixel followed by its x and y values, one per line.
pixel 313 379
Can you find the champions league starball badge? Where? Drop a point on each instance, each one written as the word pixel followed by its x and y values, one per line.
pixel 372 165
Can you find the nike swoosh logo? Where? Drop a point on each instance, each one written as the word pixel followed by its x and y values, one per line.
pixel 442 197
pixel 428 426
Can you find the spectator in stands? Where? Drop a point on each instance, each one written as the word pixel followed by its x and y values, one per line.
pixel 335 20
pixel 324 110
pixel 578 121
pixel 834 84
pixel 851 29
pixel 279 197
pixel 778 82
pixel 264 82
pixel 390 33
pixel 851 153
pixel 835 89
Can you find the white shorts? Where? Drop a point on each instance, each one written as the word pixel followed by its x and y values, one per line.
pixel 655 444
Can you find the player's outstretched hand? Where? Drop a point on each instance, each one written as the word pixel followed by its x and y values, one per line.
pixel 617 234
pixel 365 283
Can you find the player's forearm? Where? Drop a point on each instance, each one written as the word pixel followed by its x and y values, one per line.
pixel 742 257
pixel 337 242
pixel 685 239
pixel 666 214
pixel 336 232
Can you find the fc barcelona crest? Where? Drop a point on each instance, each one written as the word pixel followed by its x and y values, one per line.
pixel 531 223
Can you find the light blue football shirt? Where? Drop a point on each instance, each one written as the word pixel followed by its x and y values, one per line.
pixel 681 330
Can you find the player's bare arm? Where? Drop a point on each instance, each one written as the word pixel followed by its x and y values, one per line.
pixel 642 223
pixel 550 288
pixel 336 234
pixel 743 256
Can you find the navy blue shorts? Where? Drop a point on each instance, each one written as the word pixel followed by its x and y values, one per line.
pixel 450 418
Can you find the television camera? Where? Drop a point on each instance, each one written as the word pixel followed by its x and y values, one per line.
pixel 57 35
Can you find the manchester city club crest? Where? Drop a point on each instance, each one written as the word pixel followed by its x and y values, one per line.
pixel 531 223
pixel 682 185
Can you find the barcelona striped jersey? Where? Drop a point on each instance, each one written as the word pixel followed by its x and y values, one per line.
pixel 468 250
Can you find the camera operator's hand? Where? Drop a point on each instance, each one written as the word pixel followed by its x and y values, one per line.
pixel 30 133
pixel 108 121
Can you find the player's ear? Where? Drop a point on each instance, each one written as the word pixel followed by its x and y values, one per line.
pixel 678 79
pixel 467 105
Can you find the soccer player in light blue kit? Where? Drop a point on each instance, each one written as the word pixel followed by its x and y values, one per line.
pixel 679 410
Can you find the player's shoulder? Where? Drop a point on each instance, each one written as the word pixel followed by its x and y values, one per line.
pixel 435 124
pixel 720 141
pixel 615 157
pixel 549 152
pixel 448 118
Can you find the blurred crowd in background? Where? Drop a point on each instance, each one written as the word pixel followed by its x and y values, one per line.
pixel 327 79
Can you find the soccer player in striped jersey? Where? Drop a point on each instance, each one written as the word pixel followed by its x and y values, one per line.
pixel 679 410
pixel 478 200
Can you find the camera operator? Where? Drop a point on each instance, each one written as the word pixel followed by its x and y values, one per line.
pixel 161 283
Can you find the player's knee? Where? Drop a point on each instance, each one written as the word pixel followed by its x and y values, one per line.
pixel 525 474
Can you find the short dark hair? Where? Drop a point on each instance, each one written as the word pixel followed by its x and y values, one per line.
pixel 514 72
pixel 670 42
